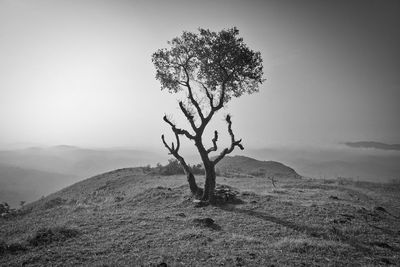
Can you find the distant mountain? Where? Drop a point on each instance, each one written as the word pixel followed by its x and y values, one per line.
pixel 22 184
pixel 246 165
pixel 77 161
pixel 27 174
pixel 376 145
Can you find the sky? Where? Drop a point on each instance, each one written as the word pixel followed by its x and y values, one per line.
pixel 80 72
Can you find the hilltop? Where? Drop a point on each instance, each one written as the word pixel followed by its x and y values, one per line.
pixel 241 164
pixel 133 217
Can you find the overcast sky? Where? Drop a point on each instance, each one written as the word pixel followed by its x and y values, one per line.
pixel 80 72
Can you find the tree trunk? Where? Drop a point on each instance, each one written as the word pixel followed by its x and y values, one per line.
pixel 209 186
pixel 209 167
pixel 194 189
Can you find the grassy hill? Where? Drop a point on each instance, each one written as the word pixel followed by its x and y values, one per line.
pixel 245 165
pixel 128 217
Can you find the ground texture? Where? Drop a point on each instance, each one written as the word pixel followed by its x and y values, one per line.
pixel 129 218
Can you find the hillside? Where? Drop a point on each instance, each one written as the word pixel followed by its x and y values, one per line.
pixel 128 217
pixel 246 165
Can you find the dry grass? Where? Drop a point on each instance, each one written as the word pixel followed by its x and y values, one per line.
pixel 126 218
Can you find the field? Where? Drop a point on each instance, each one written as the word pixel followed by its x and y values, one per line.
pixel 129 217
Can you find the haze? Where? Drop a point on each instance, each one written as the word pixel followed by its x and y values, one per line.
pixel 80 72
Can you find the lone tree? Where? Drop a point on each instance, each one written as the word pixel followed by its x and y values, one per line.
pixel 210 68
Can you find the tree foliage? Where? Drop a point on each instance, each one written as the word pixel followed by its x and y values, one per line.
pixel 220 62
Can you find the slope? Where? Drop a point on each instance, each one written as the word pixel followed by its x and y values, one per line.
pixel 127 217
pixel 250 166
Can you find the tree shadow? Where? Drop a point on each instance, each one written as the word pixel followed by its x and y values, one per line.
pixel 207 222
pixel 309 230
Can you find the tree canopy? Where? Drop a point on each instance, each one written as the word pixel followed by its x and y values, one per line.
pixel 219 62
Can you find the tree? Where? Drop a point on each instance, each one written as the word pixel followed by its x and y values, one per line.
pixel 210 68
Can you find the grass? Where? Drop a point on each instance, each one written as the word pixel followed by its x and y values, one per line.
pixel 148 219
pixel 47 235
pixel 11 248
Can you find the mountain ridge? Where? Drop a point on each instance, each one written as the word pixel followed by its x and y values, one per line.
pixel 373 144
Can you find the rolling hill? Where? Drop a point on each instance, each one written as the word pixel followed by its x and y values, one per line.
pixel 130 217
pixel 245 165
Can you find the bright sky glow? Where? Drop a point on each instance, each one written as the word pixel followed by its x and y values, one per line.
pixel 80 72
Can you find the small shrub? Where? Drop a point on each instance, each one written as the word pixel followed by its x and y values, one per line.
pixel 198 169
pixel 11 248
pixel 6 211
pixel 260 172
pixel 173 167
pixel 55 234
pixel 118 199
pixel 345 180
pixel 3 247
pixel 4 208
pixel 146 169
pixel 280 191
pixel 54 202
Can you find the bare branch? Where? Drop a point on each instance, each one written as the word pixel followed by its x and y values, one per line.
pixel 170 149
pixel 175 153
pixel 214 140
pixel 233 142
pixel 178 130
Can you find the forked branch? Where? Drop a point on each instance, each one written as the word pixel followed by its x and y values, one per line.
pixel 178 130
pixel 172 149
pixel 208 94
pixel 188 114
pixel 190 95
pixel 234 142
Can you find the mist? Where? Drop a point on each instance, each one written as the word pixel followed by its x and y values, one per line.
pixel 27 174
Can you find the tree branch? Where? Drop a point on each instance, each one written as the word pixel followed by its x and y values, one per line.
pixel 233 142
pixel 214 140
pixel 208 94
pixel 175 152
pixel 191 98
pixel 221 97
pixel 188 115
pixel 171 148
pixel 178 130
